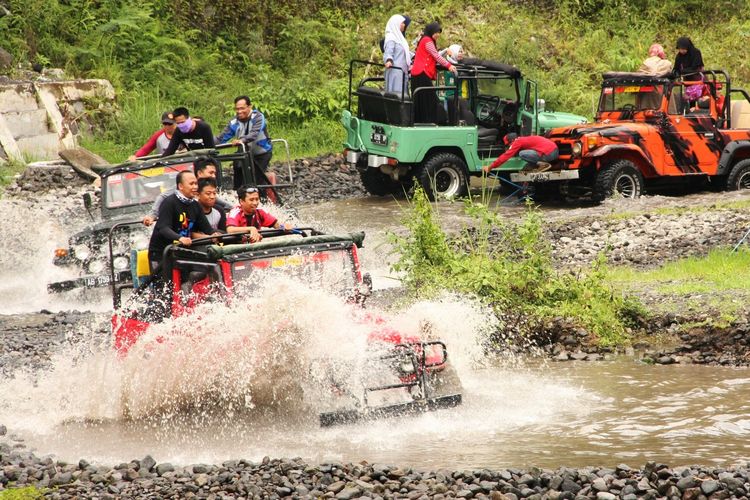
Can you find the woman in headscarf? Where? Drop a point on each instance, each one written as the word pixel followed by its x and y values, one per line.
pixel 424 71
pixel 396 55
pixel 689 61
pixel 656 63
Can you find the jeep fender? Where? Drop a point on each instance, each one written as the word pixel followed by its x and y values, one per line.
pixel 733 152
pixel 627 151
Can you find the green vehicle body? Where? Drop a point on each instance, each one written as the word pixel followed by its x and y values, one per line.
pixel 486 101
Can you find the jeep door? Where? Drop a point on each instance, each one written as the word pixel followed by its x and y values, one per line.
pixel 690 137
pixel 528 115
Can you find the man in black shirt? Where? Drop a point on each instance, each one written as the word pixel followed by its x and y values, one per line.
pixel 181 218
pixel 194 134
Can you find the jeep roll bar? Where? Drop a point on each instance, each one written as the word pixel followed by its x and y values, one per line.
pixel 353 62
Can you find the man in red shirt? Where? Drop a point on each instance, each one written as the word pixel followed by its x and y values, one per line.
pixel 247 218
pixel 537 151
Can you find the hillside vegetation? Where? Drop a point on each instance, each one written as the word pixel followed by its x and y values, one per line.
pixel 291 57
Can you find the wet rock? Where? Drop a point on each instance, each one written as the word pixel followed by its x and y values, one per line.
pixel 147 464
pixel 709 487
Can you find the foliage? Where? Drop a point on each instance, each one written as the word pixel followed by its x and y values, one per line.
pixel 27 493
pixel 508 266
pixel 292 57
pixel 8 170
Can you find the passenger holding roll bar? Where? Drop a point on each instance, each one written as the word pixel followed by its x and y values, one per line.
pixel 249 128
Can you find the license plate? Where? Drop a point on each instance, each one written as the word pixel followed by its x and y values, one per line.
pixel 97 281
pixel 377 138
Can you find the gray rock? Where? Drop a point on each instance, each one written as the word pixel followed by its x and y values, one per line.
pixel 605 495
pixel 686 483
pixel 348 493
pixel 599 484
pixel 162 469
pixel 6 59
pixel 710 486
pixel 147 464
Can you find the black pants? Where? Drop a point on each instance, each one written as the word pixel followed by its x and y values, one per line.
pixel 427 108
pixel 261 165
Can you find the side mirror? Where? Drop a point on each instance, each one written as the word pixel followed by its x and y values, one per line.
pixel 87 201
pixel 540 103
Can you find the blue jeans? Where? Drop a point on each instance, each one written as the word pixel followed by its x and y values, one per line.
pixel 532 157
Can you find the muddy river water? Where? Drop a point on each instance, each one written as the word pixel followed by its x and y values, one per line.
pixel 515 413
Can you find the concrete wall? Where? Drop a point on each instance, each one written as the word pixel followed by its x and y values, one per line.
pixel 38 119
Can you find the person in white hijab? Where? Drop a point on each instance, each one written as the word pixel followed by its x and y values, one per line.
pixel 396 55
pixel 454 53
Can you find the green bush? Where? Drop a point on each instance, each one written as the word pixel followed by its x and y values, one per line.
pixel 509 267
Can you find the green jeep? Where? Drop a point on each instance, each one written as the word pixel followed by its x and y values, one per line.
pixel 484 102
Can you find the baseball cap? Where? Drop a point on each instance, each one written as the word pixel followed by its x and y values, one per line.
pixel 167 118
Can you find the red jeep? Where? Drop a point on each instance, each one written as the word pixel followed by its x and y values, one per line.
pixel 417 369
pixel 655 129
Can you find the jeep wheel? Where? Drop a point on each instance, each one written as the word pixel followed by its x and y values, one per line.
pixel 739 177
pixel 620 176
pixel 444 176
pixel 378 183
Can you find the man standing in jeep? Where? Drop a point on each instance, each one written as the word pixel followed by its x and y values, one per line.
pixel 193 134
pixel 537 151
pixel 250 128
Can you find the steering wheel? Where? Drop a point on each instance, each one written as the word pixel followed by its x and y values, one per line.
pixel 486 109
pixel 628 107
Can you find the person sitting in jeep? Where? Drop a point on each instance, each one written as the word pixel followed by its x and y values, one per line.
pixel 248 218
pixel 180 219
pixel 538 152
pixel 203 170
pixel 207 199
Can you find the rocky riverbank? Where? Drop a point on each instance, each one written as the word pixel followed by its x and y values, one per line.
pixel 284 478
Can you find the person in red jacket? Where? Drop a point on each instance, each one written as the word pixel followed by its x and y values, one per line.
pixel 537 151
pixel 427 107
pixel 160 139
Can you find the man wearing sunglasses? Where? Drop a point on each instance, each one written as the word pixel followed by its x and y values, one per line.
pixel 159 141
pixel 192 133
pixel 248 219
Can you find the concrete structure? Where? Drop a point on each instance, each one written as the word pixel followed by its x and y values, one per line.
pixel 38 119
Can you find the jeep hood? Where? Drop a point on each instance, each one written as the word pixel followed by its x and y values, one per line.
pixel 603 129
pixel 553 119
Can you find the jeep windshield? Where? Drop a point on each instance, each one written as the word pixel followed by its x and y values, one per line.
pixel 504 88
pixel 332 270
pixel 631 97
pixel 140 186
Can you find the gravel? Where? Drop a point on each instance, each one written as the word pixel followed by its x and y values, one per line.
pixel 295 478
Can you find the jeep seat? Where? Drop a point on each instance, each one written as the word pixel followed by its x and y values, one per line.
pixel 371 104
pixel 397 111
pixel 487 137
pixel 741 114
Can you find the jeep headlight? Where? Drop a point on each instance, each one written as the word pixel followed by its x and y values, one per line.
pixel 120 263
pixel 82 251
pixel 576 150
pixel 96 266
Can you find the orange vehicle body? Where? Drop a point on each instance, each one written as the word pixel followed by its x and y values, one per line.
pixel 659 126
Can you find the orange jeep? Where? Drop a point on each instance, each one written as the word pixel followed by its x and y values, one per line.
pixel 653 129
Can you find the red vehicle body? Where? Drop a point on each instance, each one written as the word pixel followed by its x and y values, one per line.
pixel 195 274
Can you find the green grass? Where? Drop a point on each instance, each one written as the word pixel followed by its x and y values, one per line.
pixel 27 493
pixel 8 170
pixel 720 271
pixel 716 287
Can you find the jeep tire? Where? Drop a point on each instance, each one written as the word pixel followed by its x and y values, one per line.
pixel 739 177
pixel 378 183
pixel 619 176
pixel 443 176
